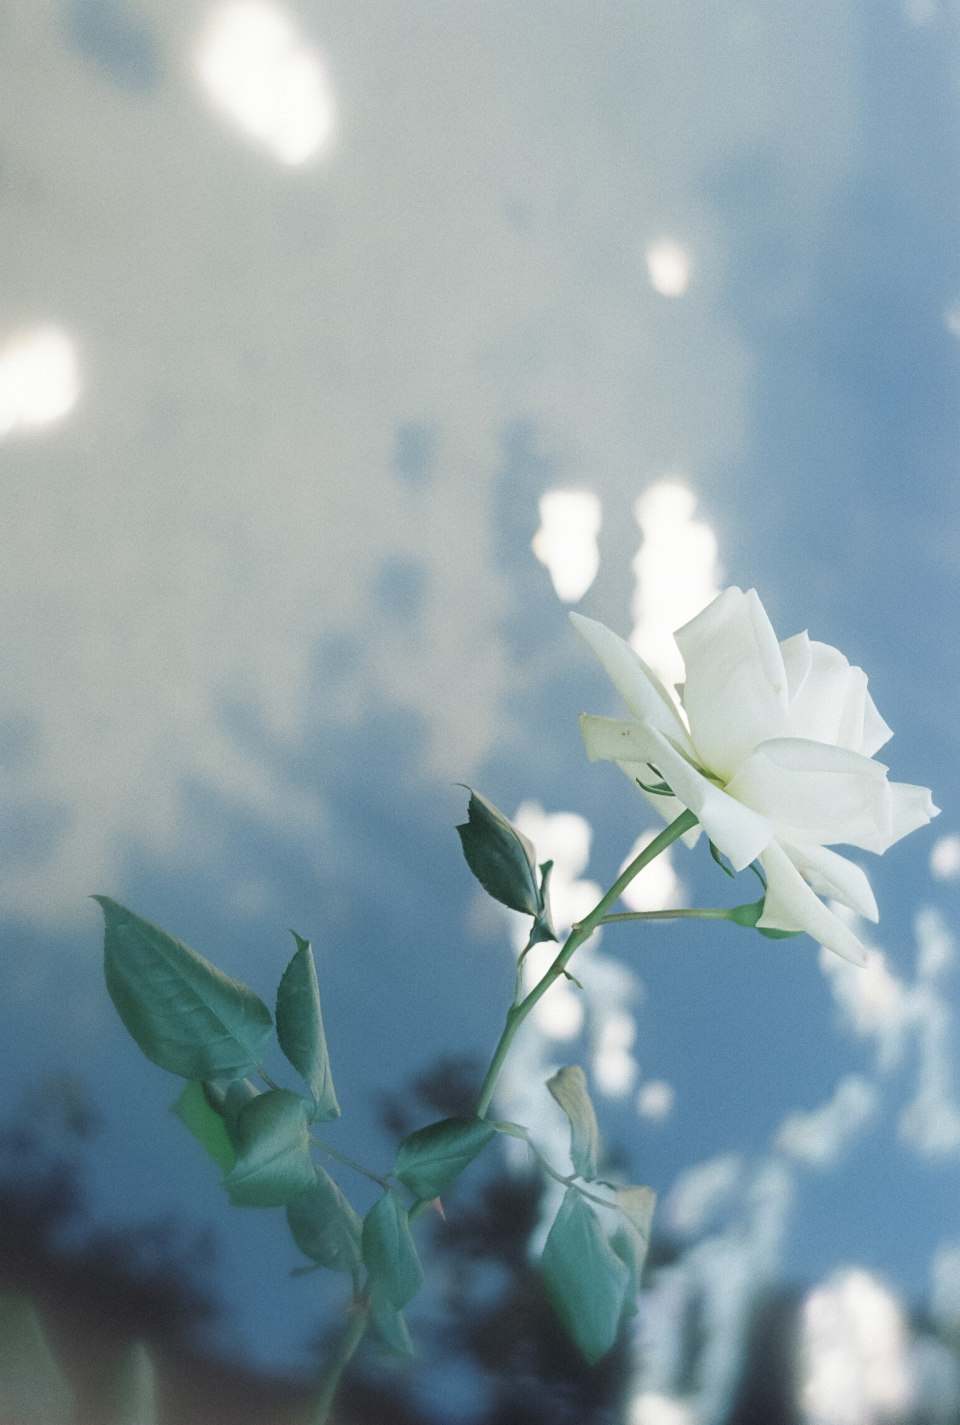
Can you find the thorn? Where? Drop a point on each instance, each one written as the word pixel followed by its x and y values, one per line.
pixel 437 1206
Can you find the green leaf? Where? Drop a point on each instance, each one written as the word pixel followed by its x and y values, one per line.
pixel 632 1238
pixel 717 855
pixel 273 1151
pixel 503 861
pixel 186 1015
pixel 134 1393
pixel 514 1130
pixel 388 1252
pixel 325 1226
pixel 778 934
pixel 391 1326
pixel 586 1281
pixel 32 1388
pixel 569 1088
pixel 207 1126
pixel 300 1029
pixel 429 1160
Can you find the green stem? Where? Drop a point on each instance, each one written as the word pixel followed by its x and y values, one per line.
pixel 349 1341
pixel 581 932
pixel 566 1181
pixel 719 914
pixel 357 1167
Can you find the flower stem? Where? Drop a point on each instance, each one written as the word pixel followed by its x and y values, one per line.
pixel 580 932
pixel 342 1158
pixel 720 913
pixel 349 1341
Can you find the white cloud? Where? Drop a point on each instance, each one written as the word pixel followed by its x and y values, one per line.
pixel 668 267
pixel 854 1353
pixel 260 71
pixel 701 1192
pixel 655 1100
pixel 930 1124
pixel 39 378
pixel 945 1286
pixel 820 1137
pixel 566 541
pixel 945 852
pixel 676 572
pixel 650 1409
pixel 873 1001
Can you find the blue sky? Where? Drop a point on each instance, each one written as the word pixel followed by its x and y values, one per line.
pixel 282 386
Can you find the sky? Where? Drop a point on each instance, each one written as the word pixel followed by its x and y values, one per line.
pixel 343 350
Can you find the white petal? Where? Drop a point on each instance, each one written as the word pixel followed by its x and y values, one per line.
pixel 797 657
pixel 909 808
pixel 790 904
pixel 609 739
pixel 638 685
pixel 834 876
pixel 667 807
pixel 739 832
pixel 735 690
pixel 813 792
pixel 832 705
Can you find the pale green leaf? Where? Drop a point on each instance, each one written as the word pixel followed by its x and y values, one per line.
pixel 184 1013
pixel 391 1326
pixel 637 1205
pixel 389 1254
pixel 207 1126
pixel 432 1158
pixel 569 1088
pixel 273 1151
pixel 586 1281
pixel 325 1226
pixel 32 1388
pixel 300 1029
pixel 134 1388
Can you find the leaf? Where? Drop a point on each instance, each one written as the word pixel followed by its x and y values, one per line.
pixel 569 1088
pixel 238 1094
pixel 432 1158
pixel 636 1204
pixel 134 1394
pixel 391 1326
pixel 186 1015
pixel 632 1238
pixel 300 1029
pixel 586 1281
pixel 388 1252
pixel 325 1226
pixel 273 1151
pixel 515 1130
pixel 503 861
pixel 207 1126
pixel 32 1388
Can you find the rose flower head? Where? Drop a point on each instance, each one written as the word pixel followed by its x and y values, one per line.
pixel 772 748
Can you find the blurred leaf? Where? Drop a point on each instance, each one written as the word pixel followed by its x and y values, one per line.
pixel 325 1226
pixel 391 1327
pixel 300 1029
pixel 186 1015
pixel 207 1126
pixel 586 1281
pixel 504 862
pixel 637 1205
pixel 32 1389
pixel 389 1253
pixel 273 1151
pixel 569 1088
pixel 432 1158
pixel 514 1130
pixel 134 1388
pixel 235 1099
pixel 632 1238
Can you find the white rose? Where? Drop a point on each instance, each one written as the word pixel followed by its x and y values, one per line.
pixel 772 749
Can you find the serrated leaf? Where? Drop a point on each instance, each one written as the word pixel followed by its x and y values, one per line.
pixel 184 1013
pixel 391 1327
pixel 32 1388
pixel 586 1281
pixel 300 1029
pixel 134 1392
pixel 273 1151
pixel 389 1254
pixel 207 1126
pixel 501 857
pixel 432 1158
pixel 325 1226
pixel 569 1088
